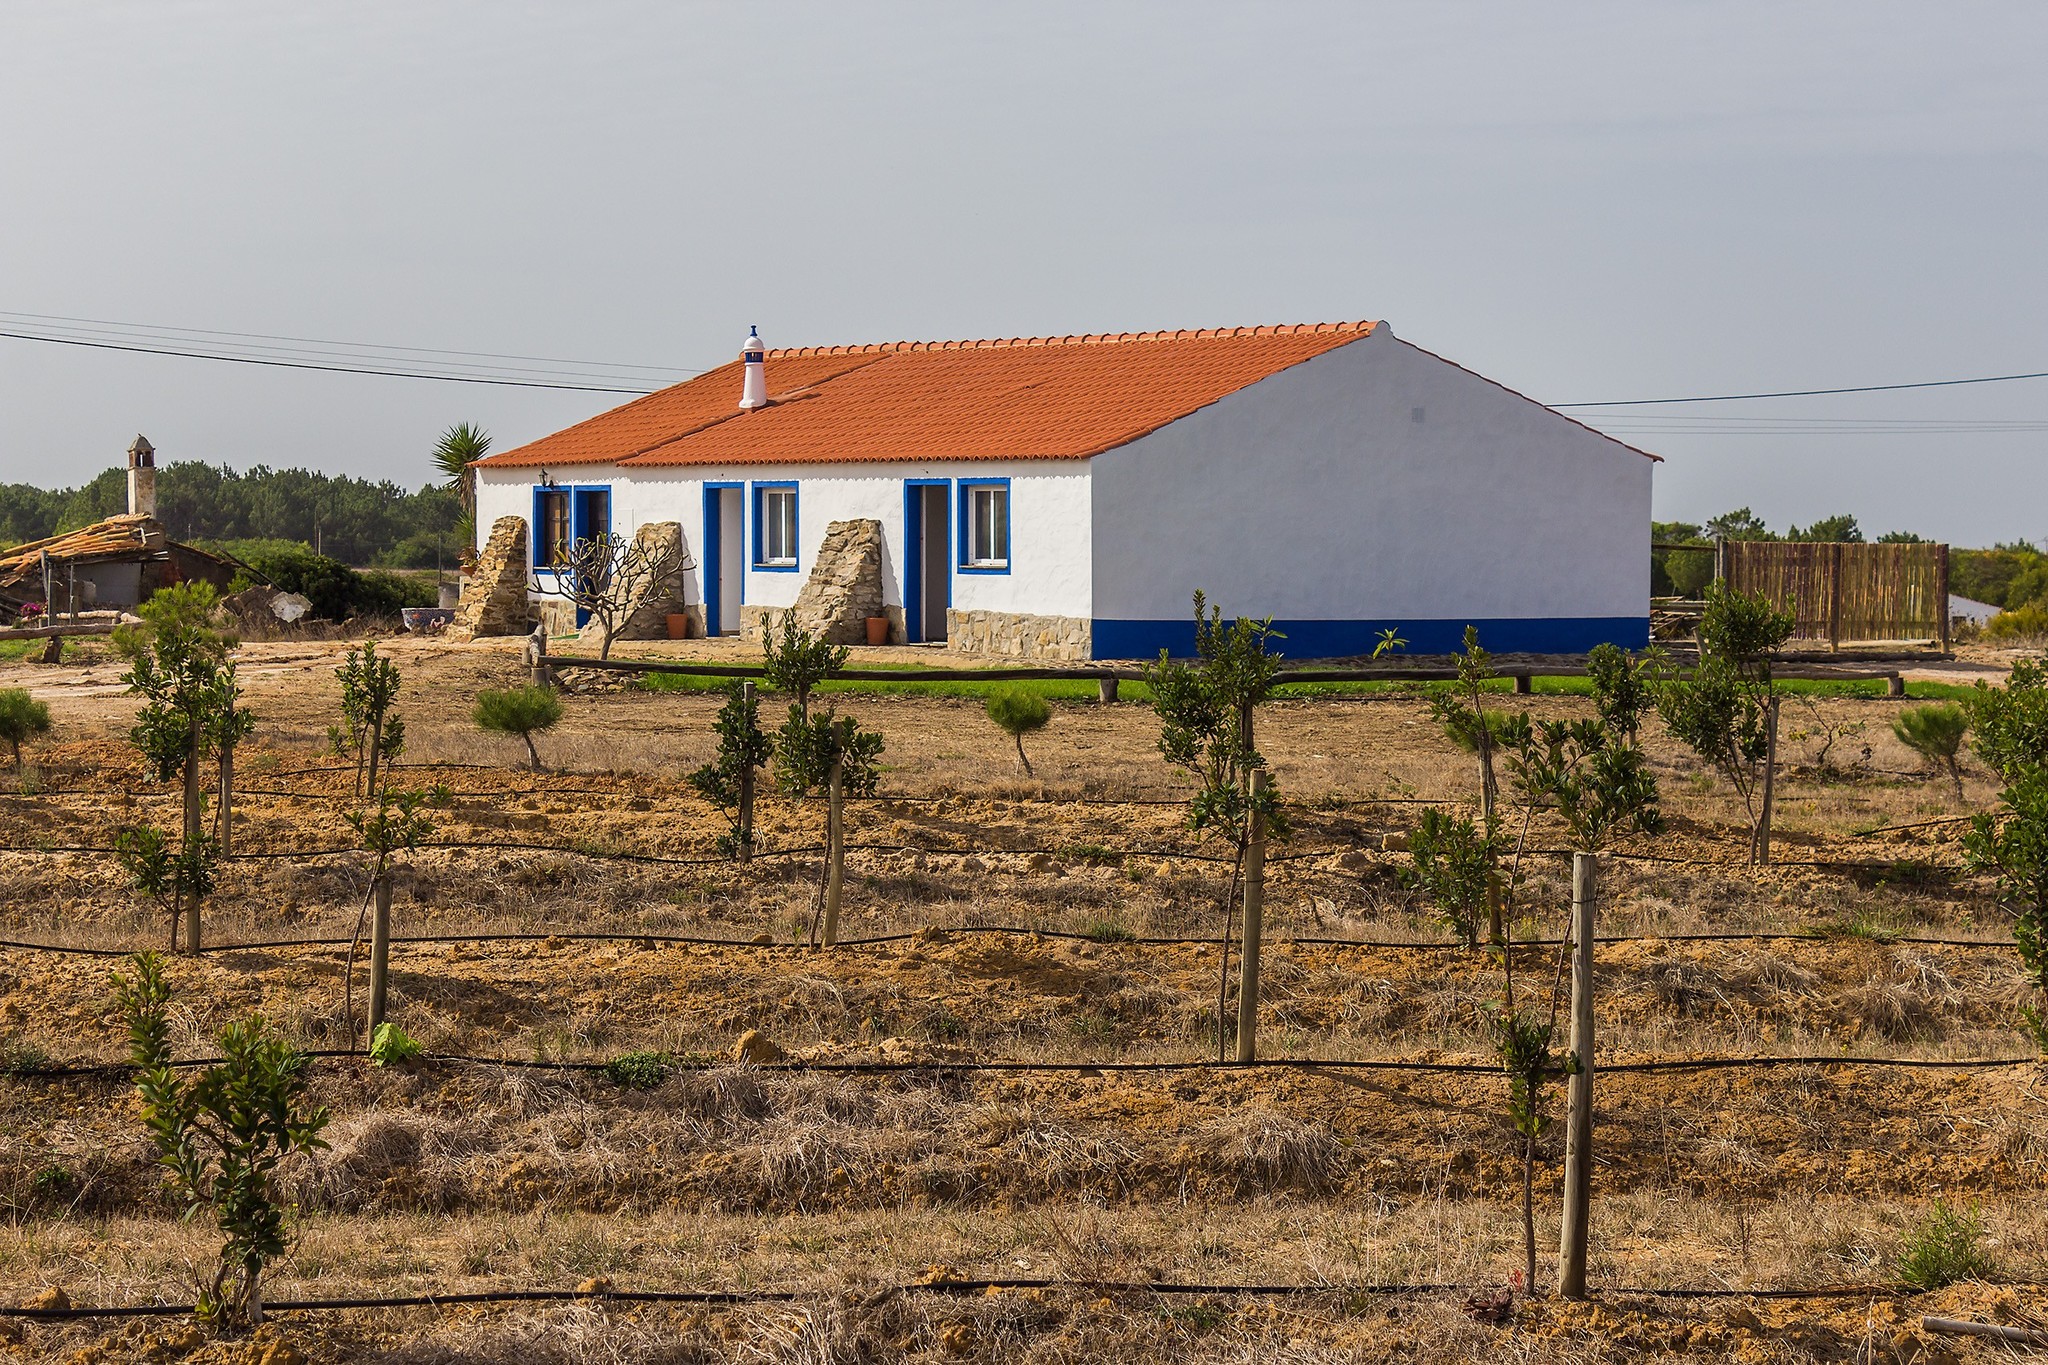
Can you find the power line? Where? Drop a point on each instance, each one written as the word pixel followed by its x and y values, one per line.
pixel 329 369
pixel 353 345
pixel 1807 393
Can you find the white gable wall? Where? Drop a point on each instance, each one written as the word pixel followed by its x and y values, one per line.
pixel 1316 497
pixel 1049 522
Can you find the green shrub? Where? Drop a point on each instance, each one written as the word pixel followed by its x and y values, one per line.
pixel 22 717
pixel 1943 1247
pixel 1935 732
pixel 2029 622
pixel 1018 713
pixel 390 1045
pixel 521 711
pixel 1454 869
pixel 639 1070
pixel 336 591
pixel 222 1134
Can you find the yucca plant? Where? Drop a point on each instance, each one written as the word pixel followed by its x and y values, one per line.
pixel 1935 732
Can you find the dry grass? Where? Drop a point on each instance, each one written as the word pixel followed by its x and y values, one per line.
pixel 836 1186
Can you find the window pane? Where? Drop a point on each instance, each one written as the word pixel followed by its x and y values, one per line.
pixel 999 525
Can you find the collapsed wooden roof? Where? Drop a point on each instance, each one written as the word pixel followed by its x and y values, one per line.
pixel 117 539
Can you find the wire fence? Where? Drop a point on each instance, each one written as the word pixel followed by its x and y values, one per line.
pixel 964 1287
pixel 1085 1068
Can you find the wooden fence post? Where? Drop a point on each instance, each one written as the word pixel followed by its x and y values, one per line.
pixel 537 656
pixel 835 851
pixel 193 745
pixel 1254 926
pixel 1835 599
pixel 747 781
pixel 1761 851
pixel 227 800
pixel 1578 1142
pixel 1105 690
pixel 380 952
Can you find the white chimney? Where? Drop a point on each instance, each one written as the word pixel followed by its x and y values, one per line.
pixel 754 393
pixel 142 478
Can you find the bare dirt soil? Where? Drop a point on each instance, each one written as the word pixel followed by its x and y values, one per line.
pixel 1068 918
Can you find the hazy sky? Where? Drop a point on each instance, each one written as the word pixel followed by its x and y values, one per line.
pixel 1583 201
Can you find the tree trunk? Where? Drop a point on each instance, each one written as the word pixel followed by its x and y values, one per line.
pixel 1529 1216
pixel 1022 761
pixel 532 752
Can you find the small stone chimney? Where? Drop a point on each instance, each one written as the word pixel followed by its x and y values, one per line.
pixel 142 478
pixel 754 392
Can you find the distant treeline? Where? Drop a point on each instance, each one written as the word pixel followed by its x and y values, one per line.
pixel 2010 575
pixel 348 519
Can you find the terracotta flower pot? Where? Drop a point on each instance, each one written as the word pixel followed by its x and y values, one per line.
pixel 878 630
pixel 678 625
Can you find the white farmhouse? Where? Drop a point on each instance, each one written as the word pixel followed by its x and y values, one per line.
pixel 1063 497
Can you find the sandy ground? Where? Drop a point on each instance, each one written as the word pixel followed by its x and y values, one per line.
pixel 472 1176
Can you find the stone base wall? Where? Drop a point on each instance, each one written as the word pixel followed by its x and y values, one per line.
pixel 494 600
pixel 757 624
pixel 557 615
pixel 845 583
pixel 1016 636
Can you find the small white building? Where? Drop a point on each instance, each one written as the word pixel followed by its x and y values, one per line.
pixel 1064 497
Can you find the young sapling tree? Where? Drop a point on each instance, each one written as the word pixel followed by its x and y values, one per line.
pixel 1018 713
pixel 520 711
pixel 1454 868
pixel 1205 729
pixel 743 750
pixel 176 660
pixel 370 732
pixel 2011 722
pixel 1935 732
pixel 227 724
pixel 22 718
pixel 1600 787
pixel 795 661
pixel 222 1135
pixel 390 826
pixel 1723 711
pixel 168 872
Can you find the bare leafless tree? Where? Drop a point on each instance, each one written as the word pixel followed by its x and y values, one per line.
pixel 608 576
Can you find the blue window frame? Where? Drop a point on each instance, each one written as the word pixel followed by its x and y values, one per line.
pixel 562 515
pixel 984 534
pixel 775 526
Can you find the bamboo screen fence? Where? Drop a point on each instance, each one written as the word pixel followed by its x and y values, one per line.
pixel 1847 592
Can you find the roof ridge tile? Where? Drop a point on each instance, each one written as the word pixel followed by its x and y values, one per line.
pixel 1086 339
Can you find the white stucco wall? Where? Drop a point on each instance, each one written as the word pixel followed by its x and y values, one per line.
pixel 1317 496
pixel 1049 522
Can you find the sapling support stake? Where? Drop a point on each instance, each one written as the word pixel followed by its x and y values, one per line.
pixel 1761 853
pixel 1254 925
pixel 835 850
pixel 380 950
pixel 747 783
pixel 1578 1140
pixel 191 899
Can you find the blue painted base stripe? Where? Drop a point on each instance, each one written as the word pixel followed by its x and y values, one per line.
pixel 1342 639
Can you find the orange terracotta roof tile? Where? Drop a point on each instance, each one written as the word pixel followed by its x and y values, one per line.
pixel 114 538
pixel 1014 398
